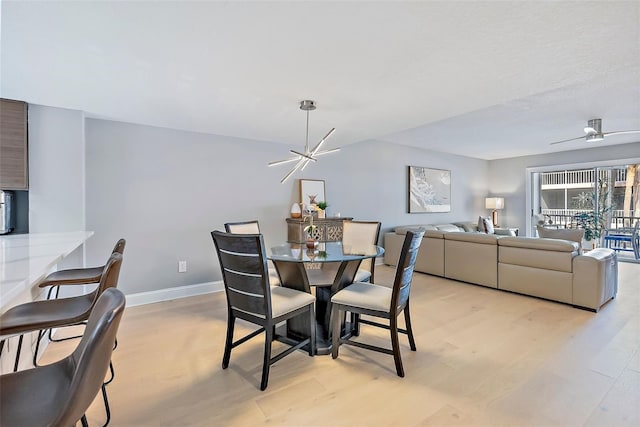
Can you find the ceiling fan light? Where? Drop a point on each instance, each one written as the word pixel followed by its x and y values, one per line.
pixel 589 130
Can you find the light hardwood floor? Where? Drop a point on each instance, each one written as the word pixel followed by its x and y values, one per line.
pixel 485 357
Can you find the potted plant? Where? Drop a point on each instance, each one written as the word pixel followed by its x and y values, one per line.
pixel 310 229
pixel 322 206
pixel 593 222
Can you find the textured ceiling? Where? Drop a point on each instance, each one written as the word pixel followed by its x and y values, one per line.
pixel 481 79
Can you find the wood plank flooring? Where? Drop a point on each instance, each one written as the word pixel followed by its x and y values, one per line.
pixel 484 358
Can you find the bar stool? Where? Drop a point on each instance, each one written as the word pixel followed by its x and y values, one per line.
pixel 59 394
pixel 76 276
pixel 56 313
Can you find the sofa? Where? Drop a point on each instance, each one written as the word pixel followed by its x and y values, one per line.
pixel 546 268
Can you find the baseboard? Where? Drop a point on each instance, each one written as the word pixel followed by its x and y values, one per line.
pixel 177 292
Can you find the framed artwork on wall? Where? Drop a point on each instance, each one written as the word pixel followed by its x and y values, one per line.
pixel 312 191
pixel 429 190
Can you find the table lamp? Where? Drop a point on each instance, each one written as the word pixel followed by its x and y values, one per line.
pixel 494 203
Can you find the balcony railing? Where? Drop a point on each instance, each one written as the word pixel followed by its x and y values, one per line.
pixel 585 176
pixel 566 218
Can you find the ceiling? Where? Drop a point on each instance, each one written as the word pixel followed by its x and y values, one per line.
pixel 481 79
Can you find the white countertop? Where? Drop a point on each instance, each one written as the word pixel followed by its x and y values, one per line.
pixel 25 259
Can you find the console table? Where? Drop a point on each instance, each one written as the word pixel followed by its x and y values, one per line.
pixel 327 230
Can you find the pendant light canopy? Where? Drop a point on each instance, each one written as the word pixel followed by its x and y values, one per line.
pixel 309 155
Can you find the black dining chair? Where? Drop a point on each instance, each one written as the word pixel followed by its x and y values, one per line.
pixel 250 297
pixel 382 302
pixel 59 394
pixel 252 227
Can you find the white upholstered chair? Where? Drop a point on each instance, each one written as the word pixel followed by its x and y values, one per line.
pixel 361 234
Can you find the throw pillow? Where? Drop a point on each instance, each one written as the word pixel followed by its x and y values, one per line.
pixel 485 225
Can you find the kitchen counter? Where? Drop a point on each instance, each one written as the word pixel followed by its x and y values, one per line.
pixel 25 259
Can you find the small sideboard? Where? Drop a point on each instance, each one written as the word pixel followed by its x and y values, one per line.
pixel 327 230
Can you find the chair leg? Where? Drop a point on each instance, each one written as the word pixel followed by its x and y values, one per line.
pixel 84 422
pixel 106 405
pixel 312 331
pixel 15 365
pixel 266 363
pixel 407 321
pixel 231 321
pixel 395 344
pixel 113 373
pixel 355 324
pixel 41 334
pixel 335 331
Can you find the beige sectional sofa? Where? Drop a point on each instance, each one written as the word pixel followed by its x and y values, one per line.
pixel 546 268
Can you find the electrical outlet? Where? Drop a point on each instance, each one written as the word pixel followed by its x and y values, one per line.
pixel 182 266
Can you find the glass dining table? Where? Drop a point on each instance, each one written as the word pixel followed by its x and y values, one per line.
pixel 324 271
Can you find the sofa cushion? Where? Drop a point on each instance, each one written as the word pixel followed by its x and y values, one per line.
pixel 469 227
pixel 487 239
pixel 434 234
pixel 543 254
pixel 571 234
pixel 450 228
pixel 404 228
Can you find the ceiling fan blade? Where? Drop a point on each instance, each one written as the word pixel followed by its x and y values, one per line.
pixel 567 140
pixel 621 132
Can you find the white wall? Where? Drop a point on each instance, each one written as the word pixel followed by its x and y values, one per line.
pixel 165 190
pixel 56 169
pixel 507 176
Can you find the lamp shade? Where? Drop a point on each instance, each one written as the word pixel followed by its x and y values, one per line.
pixel 494 203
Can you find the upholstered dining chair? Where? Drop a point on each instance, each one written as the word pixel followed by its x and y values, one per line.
pixel 382 302
pixel 250 297
pixel 361 234
pixel 252 227
pixel 59 394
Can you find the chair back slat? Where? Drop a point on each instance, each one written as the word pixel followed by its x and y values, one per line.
pixel 119 247
pixel 245 227
pixel 404 271
pixel 244 271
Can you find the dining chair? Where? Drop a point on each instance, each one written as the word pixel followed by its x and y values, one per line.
pixel 358 234
pixel 253 227
pixel 618 239
pixel 250 297
pixel 59 394
pixel 382 302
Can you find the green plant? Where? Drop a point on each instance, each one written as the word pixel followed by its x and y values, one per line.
pixel 309 229
pixel 322 205
pixel 593 222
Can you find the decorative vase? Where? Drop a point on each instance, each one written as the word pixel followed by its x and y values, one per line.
pixel 296 212
pixel 311 243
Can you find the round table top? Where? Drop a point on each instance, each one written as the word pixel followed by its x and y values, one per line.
pixel 324 252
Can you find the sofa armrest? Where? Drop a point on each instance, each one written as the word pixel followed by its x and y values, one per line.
pixel 595 278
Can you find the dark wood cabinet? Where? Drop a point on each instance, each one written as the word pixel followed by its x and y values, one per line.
pixel 328 230
pixel 14 166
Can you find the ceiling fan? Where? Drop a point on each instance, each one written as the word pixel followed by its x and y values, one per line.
pixel 593 132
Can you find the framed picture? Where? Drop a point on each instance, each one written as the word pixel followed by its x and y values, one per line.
pixel 312 191
pixel 429 190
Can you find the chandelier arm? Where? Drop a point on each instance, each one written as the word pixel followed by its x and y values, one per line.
pixel 319 144
pixel 292 171
pixel 303 155
pixel 280 162
pixel 322 153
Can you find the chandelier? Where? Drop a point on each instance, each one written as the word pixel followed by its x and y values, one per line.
pixel 310 154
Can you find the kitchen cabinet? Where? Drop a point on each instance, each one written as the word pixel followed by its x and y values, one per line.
pixel 14 166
